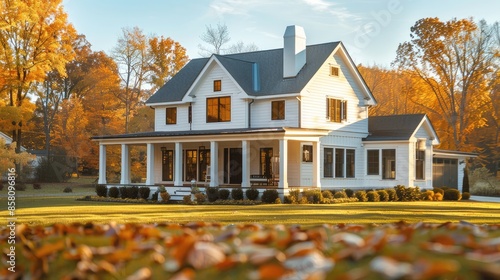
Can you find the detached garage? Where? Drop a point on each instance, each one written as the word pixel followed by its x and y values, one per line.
pixel 448 168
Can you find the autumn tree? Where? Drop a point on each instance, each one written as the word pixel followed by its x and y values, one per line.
pixel 132 57
pixel 453 59
pixel 167 58
pixel 35 38
pixel 216 39
pixel 9 158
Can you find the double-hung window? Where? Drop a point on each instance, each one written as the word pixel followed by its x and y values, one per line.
pixel 219 109
pixel 387 161
pixel 336 110
pixel 171 115
pixel 278 110
pixel 339 163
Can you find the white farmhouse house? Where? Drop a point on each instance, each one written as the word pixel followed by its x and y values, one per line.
pixel 290 117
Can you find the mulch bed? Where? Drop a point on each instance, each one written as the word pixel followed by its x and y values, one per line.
pixel 252 251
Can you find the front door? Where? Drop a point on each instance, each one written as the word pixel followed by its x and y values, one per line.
pixel 265 162
pixel 191 165
pixel 204 160
pixel 232 165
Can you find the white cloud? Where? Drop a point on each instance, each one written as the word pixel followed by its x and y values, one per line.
pixel 334 9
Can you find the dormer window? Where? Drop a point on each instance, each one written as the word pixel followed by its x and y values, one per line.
pixel 217 85
pixel 334 71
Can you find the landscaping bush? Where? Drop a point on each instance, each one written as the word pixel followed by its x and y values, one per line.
pixel 144 192
pixel 133 192
pixel 269 196
pixel 438 196
pixel 438 190
pixel 37 186
pixel 465 196
pixel 20 187
pixel 327 194
pixel 252 194
pixel 452 195
pixel 407 194
pixel 223 194
pixel 393 196
pixel 373 196
pixel 349 192
pixel 465 182
pixel 67 190
pixel 313 196
pixel 114 192
pixel 123 192
pixel 277 201
pixel 200 198
pixel 101 190
pixel 340 194
pixel 428 195
pixel 383 195
pixel 165 196
pixel 237 194
pixel 154 196
pixel 361 196
pixel 212 193
pixel 187 199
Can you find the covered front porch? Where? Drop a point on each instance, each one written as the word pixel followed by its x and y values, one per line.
pixel 264 158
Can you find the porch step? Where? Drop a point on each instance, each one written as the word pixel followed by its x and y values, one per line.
pixel 178 193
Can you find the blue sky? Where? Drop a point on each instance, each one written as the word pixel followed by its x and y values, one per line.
pixel 370 29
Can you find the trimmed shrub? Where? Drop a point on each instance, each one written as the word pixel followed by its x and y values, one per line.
pixel 20 187
pixel 428 195
pixel 154 196
pixel 269 196
pixel 393 196
pixel 200 198
pixel 224 194
pixel 101 190
pixel 407 194
pixel 67 190
pixel 133 192
pixel 438 196
pixel 327 194
pixel 212 193
pixel 361 196
pixel 114 192
pixel 349 192
pixel 452 195
pixel 373 196
pixel 438 190
pixel 277 201
pixel 37 186
pixel 165 196
pixel 252 194
pixel 187 199
pixel 465 196
pixel 340 194
pixel 465 182
pixel 144 192
pixel 123 192
pixel 237 194
pixel 383 195
pixel 314 196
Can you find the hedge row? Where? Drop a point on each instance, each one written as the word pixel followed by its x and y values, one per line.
pixel 132 192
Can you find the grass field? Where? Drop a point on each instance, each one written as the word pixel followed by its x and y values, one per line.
pixel 50 205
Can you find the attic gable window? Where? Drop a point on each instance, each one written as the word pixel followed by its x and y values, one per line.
pixel 334 71
pixel 336 110
pixel 278 110
pixel 171 115
pixel 217 85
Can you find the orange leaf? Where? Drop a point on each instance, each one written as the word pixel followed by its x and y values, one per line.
pixel 48 249
pixel 271 271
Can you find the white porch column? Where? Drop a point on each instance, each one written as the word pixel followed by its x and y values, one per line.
pixel 214 164
pixel 178 164
pixel 125 166
pixel 150 164
pixel 102 164
pixel 283 184
pixel 245 172
pixel 316 180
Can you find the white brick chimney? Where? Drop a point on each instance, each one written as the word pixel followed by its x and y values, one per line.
pixel 294 50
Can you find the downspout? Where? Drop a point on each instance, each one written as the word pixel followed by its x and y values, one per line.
pixel 190 115
pixel 300 112
pixel 250 113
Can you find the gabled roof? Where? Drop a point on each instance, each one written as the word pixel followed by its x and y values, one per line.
pixel 397 127
pixel 239 66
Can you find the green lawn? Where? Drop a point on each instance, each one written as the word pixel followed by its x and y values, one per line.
pixel 65 209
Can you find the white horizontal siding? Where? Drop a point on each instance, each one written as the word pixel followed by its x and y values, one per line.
pixel 182 118
pixel 261 113
pixel 344 87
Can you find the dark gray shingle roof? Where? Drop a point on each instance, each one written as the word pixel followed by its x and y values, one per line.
pixel 270 64
pixel 396 127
